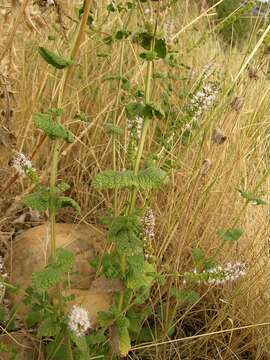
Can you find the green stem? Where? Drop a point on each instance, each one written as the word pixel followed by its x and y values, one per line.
pixel 143 134
pixel 57 144
pixel 123 270
pixel 137 164
pixel 69 348
pixel 53 179
pixel 115 120
pixel 52 213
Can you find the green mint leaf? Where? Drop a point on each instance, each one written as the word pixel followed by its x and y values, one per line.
pixel 49 327
pixel 65 201
pixel 53 59
pixel 48 277
pixel 250 197
pixel 152 110
pixel 142 276
pixel 124 340
pixel 52 128
pixel 39 200
pixel 147 179
pixel 232 235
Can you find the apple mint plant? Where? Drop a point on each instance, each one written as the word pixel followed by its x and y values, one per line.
pixel 130 231
pixel 131 183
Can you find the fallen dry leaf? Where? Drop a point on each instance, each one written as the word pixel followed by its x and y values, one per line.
pixel 218 137
pixel 206 165
pixel 237 103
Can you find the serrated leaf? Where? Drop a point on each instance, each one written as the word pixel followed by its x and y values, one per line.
pixel 45 279
pixel 142 294
pixel 52 128
pixel 135 320
pixel 149 110
pixel 65 201
pixel 134 109
pixel 209 263
pixel 39 200
pixel 231 234
pixel 124 340
pixel 140 277
pixel 152 110
pixel 111 7
pixel 146 179
pixel 49 327
pixel 151 178
pixel 33 318
pixel 136 263
pixel 250 197
pixel 48 277
pixel 160 48
pixel 111 266
pixel 145 38
pixel 128 243
pixel 63 186
pixel 96 337
pixel 54 59
pixel 110 179
pixel 106 318
pixel 63 259
pixel 124 232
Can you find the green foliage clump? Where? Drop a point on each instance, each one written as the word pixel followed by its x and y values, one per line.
pixel 51 275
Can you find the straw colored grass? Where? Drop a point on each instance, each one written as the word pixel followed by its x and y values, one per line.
pixel 229 322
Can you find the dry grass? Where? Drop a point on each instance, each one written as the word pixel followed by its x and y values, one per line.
pixel 191 208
